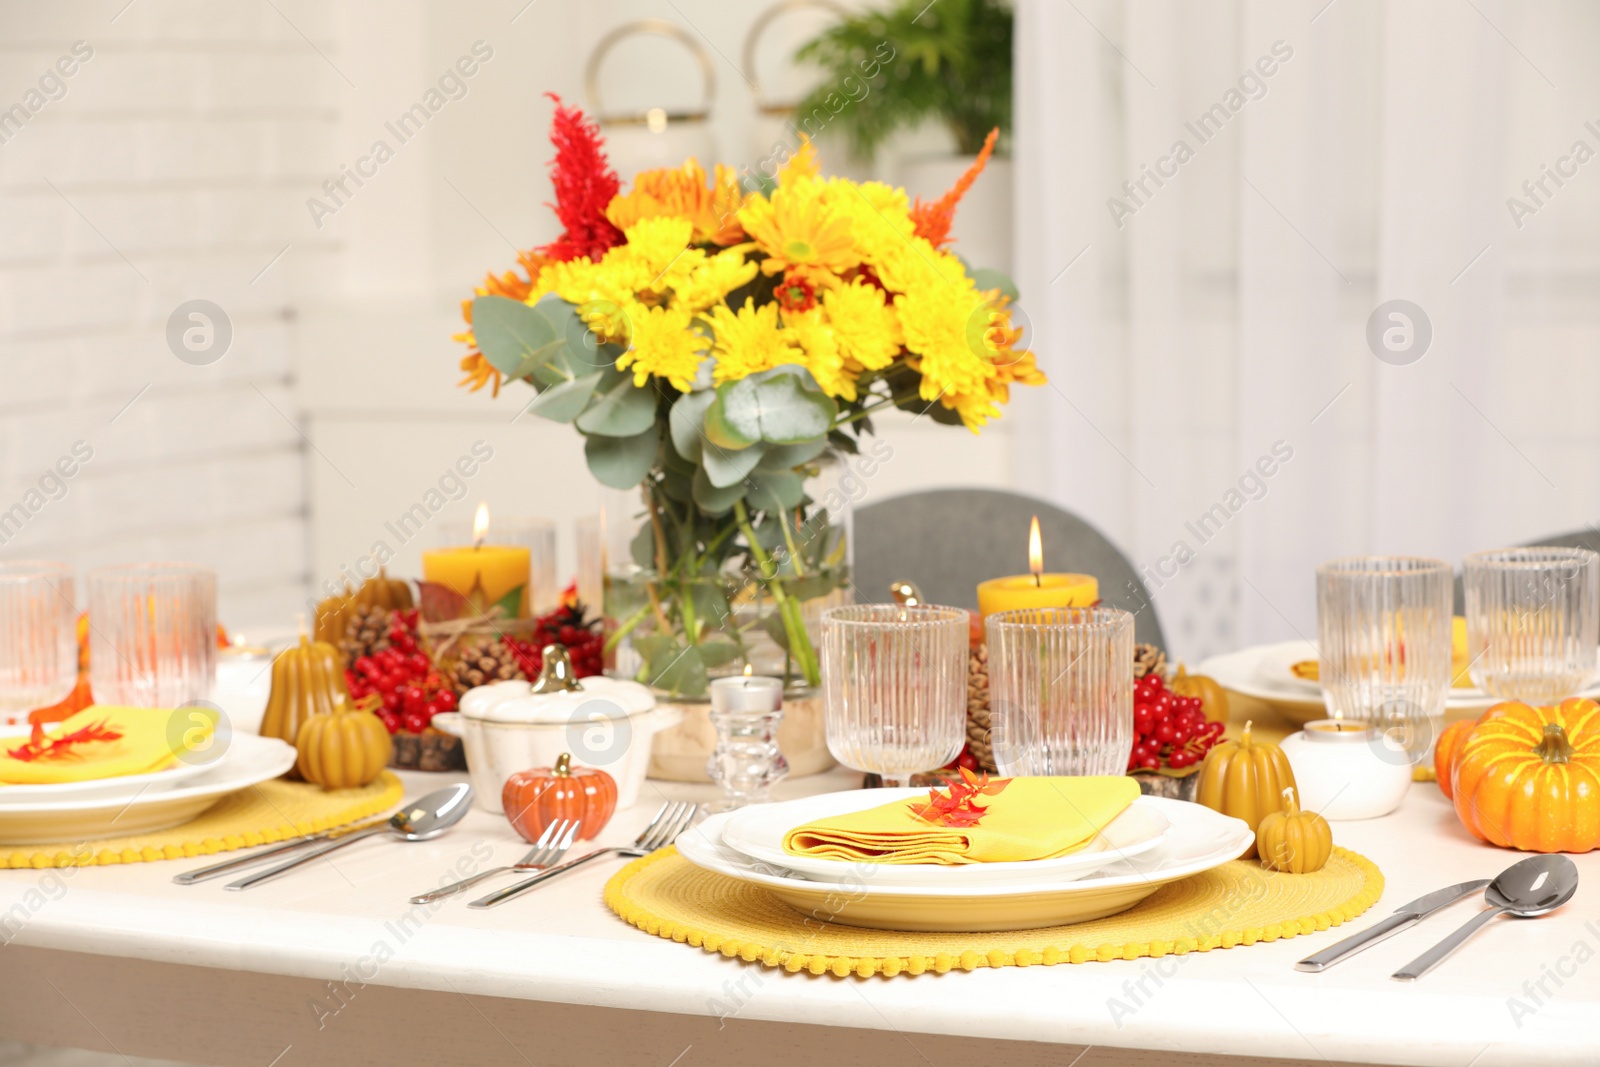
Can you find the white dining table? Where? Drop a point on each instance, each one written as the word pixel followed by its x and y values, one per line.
pixel 331 965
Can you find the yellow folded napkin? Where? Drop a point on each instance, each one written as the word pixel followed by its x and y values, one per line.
pixel 103 741
pixel 975 820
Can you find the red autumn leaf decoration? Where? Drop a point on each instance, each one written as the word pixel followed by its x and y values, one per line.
pixel 585 184
pixel 958 807
pixel 62 747
pixel 933 220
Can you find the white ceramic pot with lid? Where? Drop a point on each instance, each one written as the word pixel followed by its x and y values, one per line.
pixel 508 727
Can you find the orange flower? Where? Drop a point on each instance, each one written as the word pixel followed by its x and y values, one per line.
pixel 682 193
pixel 933 220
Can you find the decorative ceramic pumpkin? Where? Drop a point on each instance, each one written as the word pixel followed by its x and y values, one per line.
pixel 1529 778
pixel 535 799
pixel 1244 779
pixel 307 680
pixel 1294 841
pixel 345 749
pixel 382 591
pixel 1213 698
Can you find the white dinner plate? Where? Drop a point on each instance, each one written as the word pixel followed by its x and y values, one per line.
pixel 758 832
pixel 1254 672
pixel 1199 840
pixel 249 760
pixel 124 786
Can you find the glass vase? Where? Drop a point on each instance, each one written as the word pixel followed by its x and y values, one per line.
pixel 691 596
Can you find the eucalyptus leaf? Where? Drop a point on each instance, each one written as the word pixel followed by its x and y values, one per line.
pixel 619 408
pixel 787 457
pixel 782 406
pixel 716 653
pixel 642 548
pixel 679 487
pixel 563 402
pixel 687 414
pixel 508 332
pixel 622 462
pixel 776 490
pixel 725 467
pixel 715 500
pixel 673 667
pixel 772 624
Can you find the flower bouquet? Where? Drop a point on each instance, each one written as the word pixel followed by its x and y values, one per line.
pixel 716 343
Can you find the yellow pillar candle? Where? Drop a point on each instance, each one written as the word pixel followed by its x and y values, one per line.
pixel 481 573
pixel 1037 589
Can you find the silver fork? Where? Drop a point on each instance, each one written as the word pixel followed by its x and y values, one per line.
pixel 547 851
pixel 673 818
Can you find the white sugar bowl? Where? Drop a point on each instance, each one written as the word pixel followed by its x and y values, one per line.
pixel 508 727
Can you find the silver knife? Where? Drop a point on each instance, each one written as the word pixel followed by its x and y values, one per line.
pixel 1406 915
pixel 217 870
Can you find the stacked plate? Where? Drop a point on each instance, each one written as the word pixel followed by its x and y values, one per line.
pixel 136 803
pixel 1266 672
pixel 1154 842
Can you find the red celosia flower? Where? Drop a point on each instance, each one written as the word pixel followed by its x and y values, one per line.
pixel 958 807
pixel 585 184
pixel 933 220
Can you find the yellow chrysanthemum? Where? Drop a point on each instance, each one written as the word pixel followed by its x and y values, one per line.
pixel 599 291
pixel 880 216
pixel 749 341
pixel 713 279
pixel 681 192
pixel 937 323
pixel 798 227
pixel 664 344
pixel 801 165
pixel 822 356
pixel 904 266
pixel 865 325
pixel 660 247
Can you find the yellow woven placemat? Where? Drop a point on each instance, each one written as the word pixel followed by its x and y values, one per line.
pixel 259 815
pixel 1238 903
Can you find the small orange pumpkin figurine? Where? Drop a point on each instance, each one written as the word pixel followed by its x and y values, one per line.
pixel 535 799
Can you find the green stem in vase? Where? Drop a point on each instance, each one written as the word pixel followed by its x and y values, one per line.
pixel 788 608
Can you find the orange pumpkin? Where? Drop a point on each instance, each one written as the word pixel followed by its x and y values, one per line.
pixel 1448 746
pixel 535 799
pixel 1529 778
pixel 1213 698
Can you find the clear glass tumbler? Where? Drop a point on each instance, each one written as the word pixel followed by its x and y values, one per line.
pixel 895 680
pixel 152 634
pixel 38 637
pixel 1061 690
pixel 1533 621
pixel 1383 625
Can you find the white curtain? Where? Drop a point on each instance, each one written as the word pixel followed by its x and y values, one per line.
pixel 1214 198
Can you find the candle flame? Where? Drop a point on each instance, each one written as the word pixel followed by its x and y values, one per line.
pixel 480 525
pixel 749 669
pixel 1035 550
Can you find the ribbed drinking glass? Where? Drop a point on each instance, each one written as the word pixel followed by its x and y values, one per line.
pixel 1061 690
pixel 152 634
pixel 1533 621
pixel 895 680
pixel 38 637
pixel 1383 625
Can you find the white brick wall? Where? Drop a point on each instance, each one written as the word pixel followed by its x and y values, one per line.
pixel 175 167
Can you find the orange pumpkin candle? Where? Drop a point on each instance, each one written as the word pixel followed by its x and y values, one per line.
pixel 1036 589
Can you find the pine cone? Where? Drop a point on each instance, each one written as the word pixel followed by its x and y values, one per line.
pixel 1147 659
pixel 978 709
pixel 365 632
pixel 489 660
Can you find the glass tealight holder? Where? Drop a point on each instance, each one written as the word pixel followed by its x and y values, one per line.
pixel 746 713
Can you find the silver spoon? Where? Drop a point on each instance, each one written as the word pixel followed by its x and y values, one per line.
pixel 1535 886
pixel 419 820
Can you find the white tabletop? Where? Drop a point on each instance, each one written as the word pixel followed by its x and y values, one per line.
pixel 1485 1006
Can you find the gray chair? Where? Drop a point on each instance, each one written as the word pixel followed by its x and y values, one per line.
pixel 1589 538
pixel 949 540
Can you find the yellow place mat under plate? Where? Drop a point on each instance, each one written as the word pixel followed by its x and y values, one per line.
pixel 1238 903
pixel 257 815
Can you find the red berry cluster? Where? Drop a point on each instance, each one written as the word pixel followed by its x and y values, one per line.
pixel 404 678
pixel 563 626
pixel 1168 728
